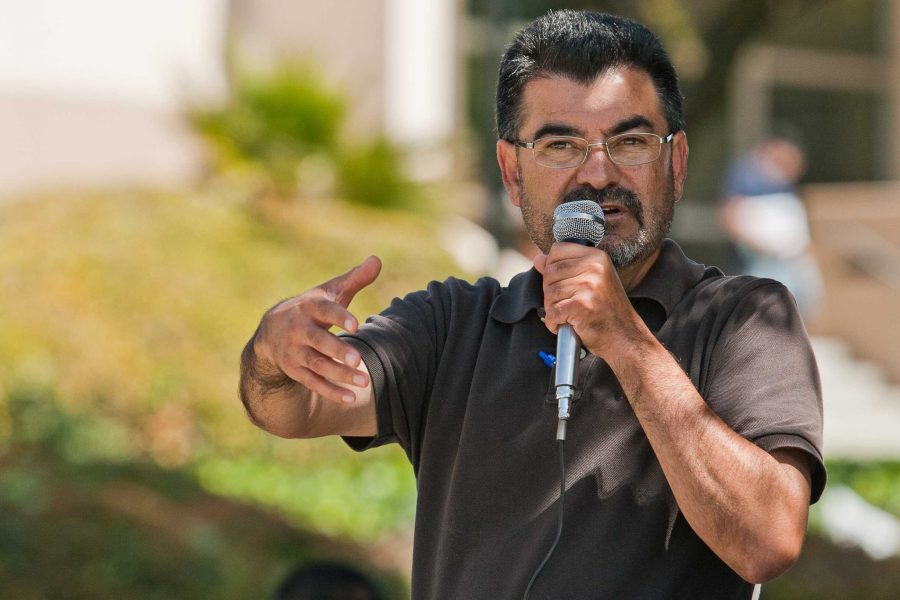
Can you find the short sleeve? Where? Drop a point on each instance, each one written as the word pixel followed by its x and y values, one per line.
pixel 401 349
pixel 764 381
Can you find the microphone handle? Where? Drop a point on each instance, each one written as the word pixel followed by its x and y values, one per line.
pixel 568 352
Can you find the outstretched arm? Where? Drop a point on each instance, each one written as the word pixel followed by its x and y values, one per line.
pixel 298 379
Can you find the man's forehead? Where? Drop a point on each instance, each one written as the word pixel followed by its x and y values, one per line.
pixel 614 96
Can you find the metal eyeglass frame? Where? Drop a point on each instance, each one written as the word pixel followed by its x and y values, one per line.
pixel 587 150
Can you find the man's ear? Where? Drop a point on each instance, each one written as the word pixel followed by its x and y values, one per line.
pixel 508 160
pixel 680 153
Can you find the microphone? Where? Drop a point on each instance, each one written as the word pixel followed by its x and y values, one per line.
pixel 580 222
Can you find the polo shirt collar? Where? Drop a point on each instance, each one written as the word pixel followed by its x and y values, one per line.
pixel 524 294
pixel 666 282
pixel 669 278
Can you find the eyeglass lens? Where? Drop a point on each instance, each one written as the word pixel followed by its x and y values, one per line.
pixel 626 149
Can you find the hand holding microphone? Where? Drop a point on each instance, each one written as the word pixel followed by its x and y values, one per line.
pixel 580 222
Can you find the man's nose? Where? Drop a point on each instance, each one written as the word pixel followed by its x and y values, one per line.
pixel 598 170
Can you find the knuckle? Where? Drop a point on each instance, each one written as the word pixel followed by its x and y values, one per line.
pixel 304 302
pixel 282 357
pixel 319 363
pixel 551 291
pixel 551 315
pixel 319 305
pixel 314 335
pixel 298 374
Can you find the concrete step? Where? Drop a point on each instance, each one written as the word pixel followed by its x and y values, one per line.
pixel 862 408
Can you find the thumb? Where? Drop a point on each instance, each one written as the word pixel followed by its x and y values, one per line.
pixel 540 263
pixel 344 287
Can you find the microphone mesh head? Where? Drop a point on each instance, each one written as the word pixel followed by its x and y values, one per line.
pixel 579 221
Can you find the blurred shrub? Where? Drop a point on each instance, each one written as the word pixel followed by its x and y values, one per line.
pixel 371 175
pixel 272 121
pixel 123 319
pixel 877 481
pixel 275 121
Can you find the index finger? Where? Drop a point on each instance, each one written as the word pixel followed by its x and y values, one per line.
pixel 329 313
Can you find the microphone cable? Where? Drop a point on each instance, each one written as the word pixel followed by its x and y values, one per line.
pixel 580 222
pixel 562 500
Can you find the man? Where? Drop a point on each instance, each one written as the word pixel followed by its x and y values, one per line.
pixel 694 443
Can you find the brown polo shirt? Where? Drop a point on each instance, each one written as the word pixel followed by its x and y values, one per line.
pixel 459 385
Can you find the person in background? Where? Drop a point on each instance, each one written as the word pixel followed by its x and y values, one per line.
pixel 766 223
pixel 694 444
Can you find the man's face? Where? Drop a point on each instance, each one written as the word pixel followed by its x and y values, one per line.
pixel 637 200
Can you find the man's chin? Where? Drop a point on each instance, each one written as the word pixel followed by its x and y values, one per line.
pixel 623 252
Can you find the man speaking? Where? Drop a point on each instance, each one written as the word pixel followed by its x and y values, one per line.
pixel 693 444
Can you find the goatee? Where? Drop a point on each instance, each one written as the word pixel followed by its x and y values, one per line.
pixel 652 228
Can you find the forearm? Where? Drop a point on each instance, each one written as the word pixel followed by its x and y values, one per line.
pixel 747 506
pixel 273 401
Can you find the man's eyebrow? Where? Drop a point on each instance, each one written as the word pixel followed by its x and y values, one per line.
pixel 635 122
pixel 556 129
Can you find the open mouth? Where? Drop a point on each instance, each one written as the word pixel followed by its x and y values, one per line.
pixel 611 210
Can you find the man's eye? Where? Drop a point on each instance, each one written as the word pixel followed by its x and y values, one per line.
pixel 631 140
pixel 560 145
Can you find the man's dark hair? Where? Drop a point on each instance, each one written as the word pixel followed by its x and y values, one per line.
pixel 580 45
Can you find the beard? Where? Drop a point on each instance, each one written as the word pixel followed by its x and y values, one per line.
pixel 653 226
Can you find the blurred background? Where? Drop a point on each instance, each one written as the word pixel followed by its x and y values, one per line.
pixel 170 169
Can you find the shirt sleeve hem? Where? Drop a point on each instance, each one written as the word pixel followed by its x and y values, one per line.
pixel 818 476
pixel 382 409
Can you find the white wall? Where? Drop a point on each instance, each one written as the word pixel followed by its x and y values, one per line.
pixel 420 70
pixel 146 52
pixel 90 90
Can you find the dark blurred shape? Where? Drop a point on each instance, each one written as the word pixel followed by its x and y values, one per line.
pixel 327 581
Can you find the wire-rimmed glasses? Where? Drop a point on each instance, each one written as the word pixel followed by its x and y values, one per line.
pixel 627 149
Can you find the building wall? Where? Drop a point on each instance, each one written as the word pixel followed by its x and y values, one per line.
pixel 345 39
pixel 91 91
pixel 397 59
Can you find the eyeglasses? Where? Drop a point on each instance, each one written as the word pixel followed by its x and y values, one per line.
pixel 627 149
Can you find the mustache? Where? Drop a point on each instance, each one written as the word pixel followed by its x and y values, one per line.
pixel 615 194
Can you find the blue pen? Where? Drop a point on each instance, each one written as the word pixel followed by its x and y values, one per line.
pixel 547 358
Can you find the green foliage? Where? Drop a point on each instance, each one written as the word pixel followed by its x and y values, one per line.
pixel 125 315
pixel 275 121
pixel 878 482
pixel 371 175
pixel 272 122
pixel 290 107
pixel 366 498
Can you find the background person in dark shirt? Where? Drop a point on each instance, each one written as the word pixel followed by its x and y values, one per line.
pixel 713 461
